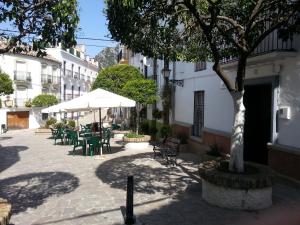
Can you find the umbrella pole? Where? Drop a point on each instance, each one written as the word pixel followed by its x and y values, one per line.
pixel 100 129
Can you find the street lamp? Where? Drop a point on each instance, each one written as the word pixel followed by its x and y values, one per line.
pixel 166 72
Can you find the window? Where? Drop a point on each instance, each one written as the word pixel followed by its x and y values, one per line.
pixel 200 66
pixel 64 69
pixel 146 71
pixel 72 70
pixel 72 91
pixel 65 90
pixel 198 113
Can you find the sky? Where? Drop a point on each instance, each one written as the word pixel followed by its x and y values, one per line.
pixel 93 24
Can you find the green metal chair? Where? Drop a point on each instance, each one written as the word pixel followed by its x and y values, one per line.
pixel 77 142
pixel 58 135
pixel 53 132
pixel 106 140
pixel 94 143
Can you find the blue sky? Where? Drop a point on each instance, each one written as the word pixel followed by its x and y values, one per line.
pixel 93 24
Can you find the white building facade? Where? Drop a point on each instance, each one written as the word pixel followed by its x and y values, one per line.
pixel 31 76
pixel 203 107
pixel 66 74
pixel 78 71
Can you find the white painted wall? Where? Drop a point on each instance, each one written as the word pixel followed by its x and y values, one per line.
pixel 87 66
pixel 218 107
pixel 289 95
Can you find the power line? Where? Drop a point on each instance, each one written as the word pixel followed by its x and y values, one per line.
pixel 79 38
pixel 99 46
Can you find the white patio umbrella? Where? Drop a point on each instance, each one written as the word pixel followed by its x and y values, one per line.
pixel 98 99
pixel 55 108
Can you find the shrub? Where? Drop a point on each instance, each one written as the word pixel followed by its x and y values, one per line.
pixel 183 137
pixel 28 103
pixel 71 123
pixel 50 122
pixel 44 100
pixel 0 103
pixel 133 135
pixel 165 131
pixel 215 150
pixel 144 127
pixel 156 114
pixel 58 125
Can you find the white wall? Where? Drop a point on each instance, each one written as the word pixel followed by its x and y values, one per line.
pixel 218 107
pixel 87 68
pixel 289 130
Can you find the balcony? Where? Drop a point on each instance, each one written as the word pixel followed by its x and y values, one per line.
pixel 68 97
pixel 271 44
pixel 55 80
pixel 22 76
pixel 46 79
pixel 76 75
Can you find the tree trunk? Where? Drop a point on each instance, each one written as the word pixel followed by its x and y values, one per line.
pixel 166 103
pixel 237 139
pixel 137 118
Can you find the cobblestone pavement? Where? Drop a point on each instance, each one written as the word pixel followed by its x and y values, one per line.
pixel 49 186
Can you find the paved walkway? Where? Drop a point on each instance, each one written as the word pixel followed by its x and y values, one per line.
pixel 49 186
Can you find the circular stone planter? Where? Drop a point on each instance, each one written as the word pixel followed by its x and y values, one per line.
pixel 251 190
pixel 137 143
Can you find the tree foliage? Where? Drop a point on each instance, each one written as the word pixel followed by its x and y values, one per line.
pixel 44 100
pixel 142 91
pixel 42 23
pixel 201 30
pixel 6 84
pixel 115 77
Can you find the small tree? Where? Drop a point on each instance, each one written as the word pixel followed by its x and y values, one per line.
pixel 44 100
pixel 6 84
pixel 143 91
pixel 114 78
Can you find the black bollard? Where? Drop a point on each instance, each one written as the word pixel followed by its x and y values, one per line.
pixel 129 218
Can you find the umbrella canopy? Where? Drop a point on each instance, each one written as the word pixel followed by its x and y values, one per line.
pixel 96 99
pixel 55 108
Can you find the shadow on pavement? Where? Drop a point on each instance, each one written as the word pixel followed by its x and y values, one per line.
pixel 9 155
pixel 5 138
pixel 31 190
pixel 149 177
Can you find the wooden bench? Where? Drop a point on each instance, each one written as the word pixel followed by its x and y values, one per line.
pixel 168 149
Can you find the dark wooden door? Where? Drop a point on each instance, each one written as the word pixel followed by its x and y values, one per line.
pixel 18 120
pixel 258 104
pixel 198 113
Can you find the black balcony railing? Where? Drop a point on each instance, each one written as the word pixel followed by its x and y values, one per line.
pixel 270 44
pixel 55 80
pixel 46 79
pixel 76 75
pixel 22 76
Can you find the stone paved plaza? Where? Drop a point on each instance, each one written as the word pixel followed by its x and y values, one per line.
pixel 49 186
